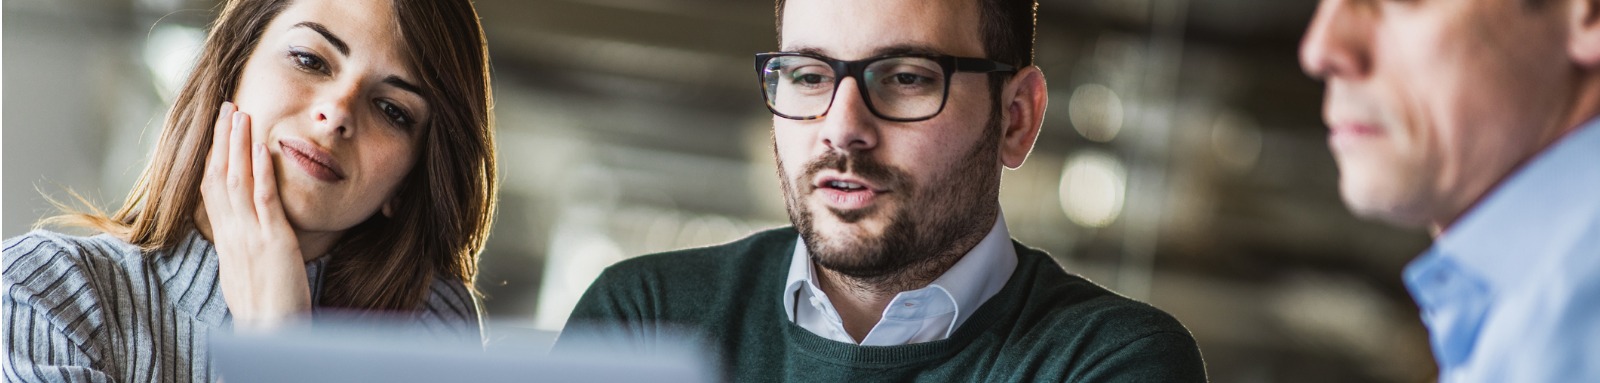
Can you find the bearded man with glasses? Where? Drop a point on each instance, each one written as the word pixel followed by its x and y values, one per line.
pixel 892 121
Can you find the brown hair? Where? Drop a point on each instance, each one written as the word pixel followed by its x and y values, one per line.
pixel 442 210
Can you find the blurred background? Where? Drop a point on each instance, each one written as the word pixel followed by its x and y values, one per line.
pixel 1182 162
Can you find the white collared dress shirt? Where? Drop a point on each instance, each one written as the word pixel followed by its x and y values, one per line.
pixel 923 315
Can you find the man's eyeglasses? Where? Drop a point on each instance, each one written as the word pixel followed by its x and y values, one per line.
pixel 903 87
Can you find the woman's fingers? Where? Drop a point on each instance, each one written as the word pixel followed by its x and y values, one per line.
pixel 239 179
pixel 261 271
pixel 269 211
pixel 213 182
pixel 215 162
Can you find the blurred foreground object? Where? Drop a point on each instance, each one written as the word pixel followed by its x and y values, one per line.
pixel 353 351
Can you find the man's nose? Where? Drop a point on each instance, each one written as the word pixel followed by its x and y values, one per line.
pixel 1339 41
pixel 849 126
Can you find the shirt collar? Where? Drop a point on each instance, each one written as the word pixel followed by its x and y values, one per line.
pixel 799 276
pixel 1533 217
pixel 978 276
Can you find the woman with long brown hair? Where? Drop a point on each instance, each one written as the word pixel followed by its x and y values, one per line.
pixel 323 154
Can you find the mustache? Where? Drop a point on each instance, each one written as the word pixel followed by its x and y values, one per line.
pixel 870 170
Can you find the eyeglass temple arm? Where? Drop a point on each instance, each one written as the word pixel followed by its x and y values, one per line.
pixel 964 64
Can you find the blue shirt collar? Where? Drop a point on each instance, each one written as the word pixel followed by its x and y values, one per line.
pixel 1537 216
pixel 1539 210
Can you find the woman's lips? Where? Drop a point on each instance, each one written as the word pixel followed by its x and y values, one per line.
pixel 313 160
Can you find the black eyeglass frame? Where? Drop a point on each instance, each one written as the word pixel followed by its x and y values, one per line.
pixel 858 68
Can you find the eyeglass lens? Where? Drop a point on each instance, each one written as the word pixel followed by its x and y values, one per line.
pixel 898 87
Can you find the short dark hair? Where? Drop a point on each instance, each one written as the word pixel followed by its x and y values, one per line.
pixel 1006 26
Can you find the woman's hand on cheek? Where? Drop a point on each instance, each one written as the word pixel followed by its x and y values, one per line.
pixel 263 275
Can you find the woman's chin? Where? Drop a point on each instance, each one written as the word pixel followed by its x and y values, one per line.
pixel 315 218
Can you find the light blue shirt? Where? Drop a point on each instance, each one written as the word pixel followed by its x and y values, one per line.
pixel 1511 292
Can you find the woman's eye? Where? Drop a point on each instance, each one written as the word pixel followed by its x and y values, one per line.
pixel 308 61
pixel 395 114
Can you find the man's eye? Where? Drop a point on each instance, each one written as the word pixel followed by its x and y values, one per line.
pixel 809 78
pixel 908 79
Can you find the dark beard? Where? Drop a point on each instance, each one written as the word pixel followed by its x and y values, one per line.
pixel 932 226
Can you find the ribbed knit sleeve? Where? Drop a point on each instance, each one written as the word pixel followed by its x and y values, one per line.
pixel 51 322
pixel 100 309
pixel 451 311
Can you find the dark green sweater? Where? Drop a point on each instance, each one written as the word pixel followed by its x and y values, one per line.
pixel 1044 325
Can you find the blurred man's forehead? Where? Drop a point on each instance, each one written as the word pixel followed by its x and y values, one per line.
pixel 856 29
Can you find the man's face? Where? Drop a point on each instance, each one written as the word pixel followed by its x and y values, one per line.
pixel 871 196
pixel 1430 103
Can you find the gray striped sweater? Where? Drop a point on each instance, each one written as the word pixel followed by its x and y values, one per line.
pixel 99 309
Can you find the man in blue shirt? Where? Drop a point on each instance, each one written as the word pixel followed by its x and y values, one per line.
pixel 1477 119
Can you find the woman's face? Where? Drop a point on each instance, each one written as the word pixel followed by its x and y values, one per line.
pixel 329 91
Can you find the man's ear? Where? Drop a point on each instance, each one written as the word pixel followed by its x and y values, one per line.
pixel 1583 28
pixel 1023 102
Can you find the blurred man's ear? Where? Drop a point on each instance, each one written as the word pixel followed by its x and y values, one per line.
pixel 1583 43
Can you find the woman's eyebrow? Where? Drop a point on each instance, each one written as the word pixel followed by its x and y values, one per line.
pixel 398 82
pixel 344 49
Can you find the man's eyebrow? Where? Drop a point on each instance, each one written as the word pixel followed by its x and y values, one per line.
pixel 904 49
pixel 343 48
pixel 897 49
pixel 397 82
pixel 810 50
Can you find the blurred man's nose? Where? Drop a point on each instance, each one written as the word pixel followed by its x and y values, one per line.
pixel 1338 43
